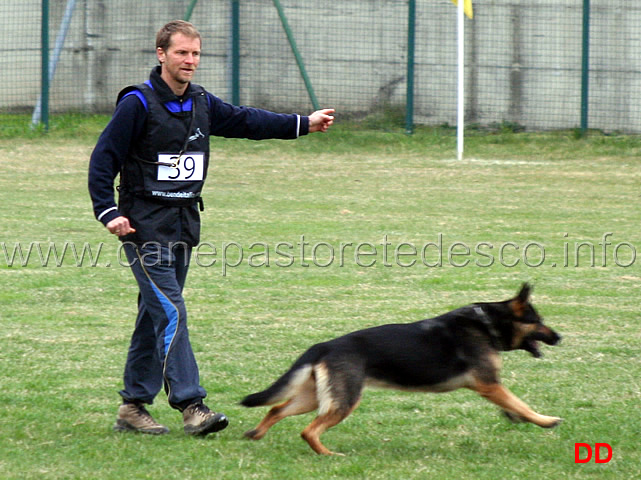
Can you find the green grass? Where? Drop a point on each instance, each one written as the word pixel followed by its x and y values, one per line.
pixel 65 329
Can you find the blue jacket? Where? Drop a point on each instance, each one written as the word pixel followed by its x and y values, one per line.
pixel 128 125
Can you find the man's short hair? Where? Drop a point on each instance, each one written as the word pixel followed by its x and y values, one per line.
pixel 163 37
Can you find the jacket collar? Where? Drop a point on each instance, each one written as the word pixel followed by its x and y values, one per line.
pixel 166 94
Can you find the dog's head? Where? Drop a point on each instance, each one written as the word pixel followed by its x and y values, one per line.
pixel 527 325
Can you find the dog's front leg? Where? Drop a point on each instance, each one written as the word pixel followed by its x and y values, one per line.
pixel 512 405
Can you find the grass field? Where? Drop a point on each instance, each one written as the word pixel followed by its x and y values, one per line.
pixel 337 232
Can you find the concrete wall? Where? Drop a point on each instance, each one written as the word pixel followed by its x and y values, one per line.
pixel 523 57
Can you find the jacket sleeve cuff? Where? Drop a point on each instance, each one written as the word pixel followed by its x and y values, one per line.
pixel 303 127
pixel 108 215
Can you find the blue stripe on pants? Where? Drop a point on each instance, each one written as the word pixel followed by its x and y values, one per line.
pixel 160 352
pixel 172 316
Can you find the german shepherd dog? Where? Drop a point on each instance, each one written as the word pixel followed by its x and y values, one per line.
pixel 459 349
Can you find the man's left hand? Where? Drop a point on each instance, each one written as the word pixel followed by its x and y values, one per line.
pixel 321 120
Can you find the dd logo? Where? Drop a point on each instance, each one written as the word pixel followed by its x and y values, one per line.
pixel 597 453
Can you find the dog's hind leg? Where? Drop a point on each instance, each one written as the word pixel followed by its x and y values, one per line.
pixel 314 430
pixel 303 401
pixel 339 391
pixel 514 406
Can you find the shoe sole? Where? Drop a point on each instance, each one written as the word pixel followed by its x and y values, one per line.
pixel 125 426
pixel 215 424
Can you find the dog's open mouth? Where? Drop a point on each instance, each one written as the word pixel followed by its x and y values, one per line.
pixel 531 342
pixel 532 346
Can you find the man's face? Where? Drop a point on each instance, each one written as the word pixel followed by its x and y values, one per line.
pixel 180 60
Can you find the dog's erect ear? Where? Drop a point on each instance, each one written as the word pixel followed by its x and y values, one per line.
pixel 524 294
pixel 520 302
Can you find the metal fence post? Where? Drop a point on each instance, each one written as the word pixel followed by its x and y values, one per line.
pixel 585 67
pixel 235 52
pixel 190 10
pixel 44 87
pixel 36 117
pixel 297 55
pixel 411 41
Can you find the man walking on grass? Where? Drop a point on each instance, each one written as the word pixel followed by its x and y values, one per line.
pixel 158 142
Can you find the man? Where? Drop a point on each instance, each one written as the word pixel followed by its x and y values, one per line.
pixel 158 141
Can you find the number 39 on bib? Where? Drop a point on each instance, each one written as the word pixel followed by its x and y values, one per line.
pixel 187 167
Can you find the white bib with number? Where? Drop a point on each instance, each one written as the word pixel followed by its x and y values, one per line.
pixel 188 167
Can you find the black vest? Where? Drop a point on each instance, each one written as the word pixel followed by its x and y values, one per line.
pixel 163 175
pixel 168 164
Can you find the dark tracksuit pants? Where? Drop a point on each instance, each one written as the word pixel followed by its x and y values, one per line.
pixel 160 353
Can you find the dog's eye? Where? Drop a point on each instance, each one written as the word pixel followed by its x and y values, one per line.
pixel 531 316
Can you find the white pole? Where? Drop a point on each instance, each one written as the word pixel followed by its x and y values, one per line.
pixel 460 118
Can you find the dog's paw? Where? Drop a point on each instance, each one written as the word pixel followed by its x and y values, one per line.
pixel 253 434
pixel 553 422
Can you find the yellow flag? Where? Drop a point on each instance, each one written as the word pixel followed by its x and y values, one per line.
pixel 467 8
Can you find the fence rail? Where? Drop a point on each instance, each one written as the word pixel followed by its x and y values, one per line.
pixel 538 64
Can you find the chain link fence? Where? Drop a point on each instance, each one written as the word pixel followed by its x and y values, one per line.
pixel 525 62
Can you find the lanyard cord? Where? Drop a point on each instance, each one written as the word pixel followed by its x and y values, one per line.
pixel 182 150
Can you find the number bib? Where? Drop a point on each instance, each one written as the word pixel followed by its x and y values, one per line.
pixel 188 167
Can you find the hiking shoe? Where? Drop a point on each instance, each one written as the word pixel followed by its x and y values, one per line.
pixel 199 420
pixel 134 417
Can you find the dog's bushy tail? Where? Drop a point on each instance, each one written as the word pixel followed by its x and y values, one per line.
pixel 288 384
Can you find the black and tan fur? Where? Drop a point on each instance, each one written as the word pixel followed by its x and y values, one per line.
pixel 459 349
